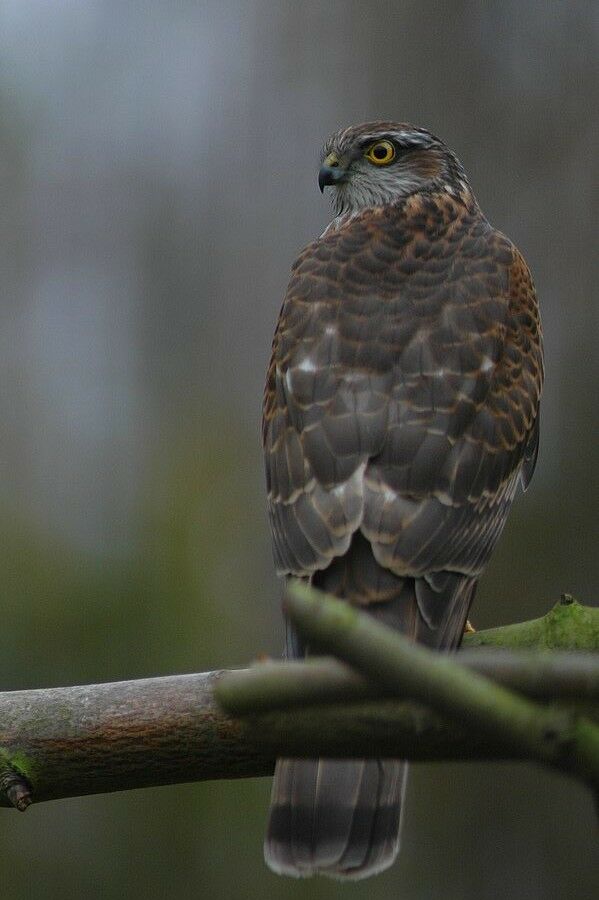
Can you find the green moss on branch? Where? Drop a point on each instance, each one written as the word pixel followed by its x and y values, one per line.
pixel 567 626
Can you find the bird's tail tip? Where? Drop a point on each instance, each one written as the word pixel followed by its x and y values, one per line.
pixel 338 818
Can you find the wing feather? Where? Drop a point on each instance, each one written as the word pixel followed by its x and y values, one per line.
pixel 403 392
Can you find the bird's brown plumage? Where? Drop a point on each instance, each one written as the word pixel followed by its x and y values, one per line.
pixel 401 409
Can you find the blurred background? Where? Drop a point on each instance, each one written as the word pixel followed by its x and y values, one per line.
pixel 158 176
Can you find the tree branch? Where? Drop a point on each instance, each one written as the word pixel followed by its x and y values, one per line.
pixel 270 686
pixel 64 742
pixel 555 737
pixel 567 626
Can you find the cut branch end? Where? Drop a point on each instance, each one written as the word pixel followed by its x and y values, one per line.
pixel 16 789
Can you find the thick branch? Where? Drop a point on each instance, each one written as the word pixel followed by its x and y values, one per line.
pixel 109 737
pixel 64 742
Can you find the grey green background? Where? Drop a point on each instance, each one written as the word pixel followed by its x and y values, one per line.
pixel 157 177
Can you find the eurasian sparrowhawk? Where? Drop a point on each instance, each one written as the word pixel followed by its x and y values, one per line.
pixel 401 414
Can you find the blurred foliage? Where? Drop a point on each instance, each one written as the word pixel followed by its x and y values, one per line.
pixel 189 597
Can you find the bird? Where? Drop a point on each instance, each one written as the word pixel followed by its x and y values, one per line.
pixel 400 418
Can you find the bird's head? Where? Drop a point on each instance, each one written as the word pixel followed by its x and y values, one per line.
pixel 383 162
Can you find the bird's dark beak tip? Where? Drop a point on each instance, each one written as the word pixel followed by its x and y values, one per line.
pixel 329 175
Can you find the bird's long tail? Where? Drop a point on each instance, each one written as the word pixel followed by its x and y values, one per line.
pixel 341 818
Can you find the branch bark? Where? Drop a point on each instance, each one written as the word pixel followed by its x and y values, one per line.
pixel 63 742
pixel 89 739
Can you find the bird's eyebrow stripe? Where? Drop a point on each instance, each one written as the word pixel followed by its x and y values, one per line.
pixel 406 139
pixel 403 138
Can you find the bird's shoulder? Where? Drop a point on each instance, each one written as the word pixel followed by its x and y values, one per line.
pixel 423 240
pixel 430 272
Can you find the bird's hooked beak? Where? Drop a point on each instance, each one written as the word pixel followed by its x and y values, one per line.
pixel 332 171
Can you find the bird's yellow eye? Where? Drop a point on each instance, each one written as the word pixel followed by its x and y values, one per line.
pixel 381 154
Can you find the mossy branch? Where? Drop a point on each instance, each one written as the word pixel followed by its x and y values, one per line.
pixel 563 739
pixel 563 676
pixel 567 626
pixel 64 742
